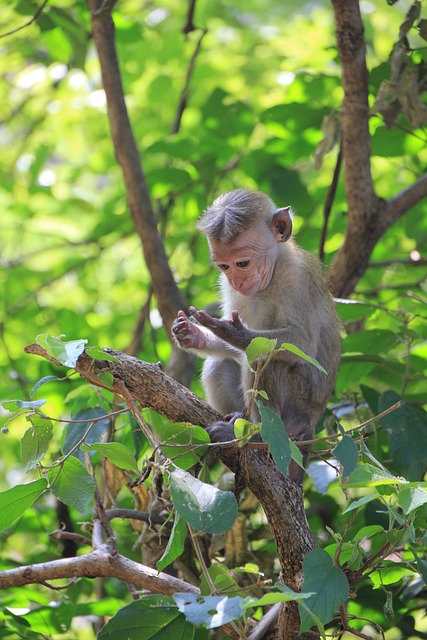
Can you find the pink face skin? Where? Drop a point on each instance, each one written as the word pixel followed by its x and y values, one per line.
pixel 248 261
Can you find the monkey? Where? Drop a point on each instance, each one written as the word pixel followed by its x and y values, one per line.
pixel 271 288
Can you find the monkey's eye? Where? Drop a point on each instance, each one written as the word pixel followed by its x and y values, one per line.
pixel 242 264
pixel 223 267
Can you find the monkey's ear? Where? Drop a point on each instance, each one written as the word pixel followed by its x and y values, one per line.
pixel 281 224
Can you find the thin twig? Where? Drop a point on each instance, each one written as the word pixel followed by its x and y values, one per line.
pixel 189 25
pixel 27 24
pixel 330 196
pixel 184 93
pixel 127 396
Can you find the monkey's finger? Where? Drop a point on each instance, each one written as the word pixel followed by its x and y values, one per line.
pixel 202 317
pixel 181 327
pixel 236 320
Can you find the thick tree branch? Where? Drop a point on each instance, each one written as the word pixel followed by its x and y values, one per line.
pixel 369 217
pixel 403 201
pixel 147 383
pixel 96 564
pixel 355 117
pixel 168 296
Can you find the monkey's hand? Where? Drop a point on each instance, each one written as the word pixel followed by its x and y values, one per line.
pixel 232 331
pixel 187 334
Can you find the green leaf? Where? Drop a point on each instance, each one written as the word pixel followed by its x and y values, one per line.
pixel 150 618
pixel 41 382
pixel 223 580
pixel 35 441
pixel 203 506
pixel 116 452
pixel 72 484
pixel 174 436
pixel 287 346
pixel 296 454
pixel 368 532
pixel 422 569
pixel 98 353
pixel 407 429
pixel 369 476
pixel 347 453
pixel 245 429
pixel 106 378
pixel 284 595
pixel 66 352
pixel 259 347
pixel 175 546
pixel 14 502
pixel 410 499
pixel 328 584
pixel 53 619
pixel 361 502
pixel 12 405
pixel 369 341
pixel 212 611
pixel 75 430
pixel 273 432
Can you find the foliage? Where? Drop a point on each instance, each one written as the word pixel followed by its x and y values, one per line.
pixel 264 98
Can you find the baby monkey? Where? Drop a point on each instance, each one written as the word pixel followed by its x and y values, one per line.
pixel 270 288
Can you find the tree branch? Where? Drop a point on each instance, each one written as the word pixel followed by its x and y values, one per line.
pixel 96 564
pixel 369 217
pixel 403 201
pixel 27 24
pixel 355 118
pixel 168 296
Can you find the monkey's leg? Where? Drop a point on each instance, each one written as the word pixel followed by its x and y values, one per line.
pixel 222 383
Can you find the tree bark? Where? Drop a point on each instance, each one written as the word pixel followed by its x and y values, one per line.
pixel 369 216
pixel 166 291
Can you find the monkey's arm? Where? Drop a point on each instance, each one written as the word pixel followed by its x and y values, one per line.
pixel 236 334
pixel 201 340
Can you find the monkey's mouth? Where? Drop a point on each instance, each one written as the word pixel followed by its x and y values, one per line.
pixel 248 289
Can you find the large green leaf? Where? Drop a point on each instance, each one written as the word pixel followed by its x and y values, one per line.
pixel 116 452
pixel 273 432
pixel 35 441
pixel 175 546
pixel 407 428
pixel 328 584
pixel 14 502
pixel 150 618
pixel 72 484
pixel 347 453
pixel 75 431
pixel 202 505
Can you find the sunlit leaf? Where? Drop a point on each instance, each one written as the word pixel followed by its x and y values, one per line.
pixel 66 352
pixel 35 441
pixel 202 505
pixel 14 502
pixel 259 347
pixel 116 452
pixel 72 484
pixel 212 611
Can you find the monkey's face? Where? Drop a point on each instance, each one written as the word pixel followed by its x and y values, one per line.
pixel 248 261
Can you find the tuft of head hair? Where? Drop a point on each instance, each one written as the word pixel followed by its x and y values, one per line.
pixel 234 212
